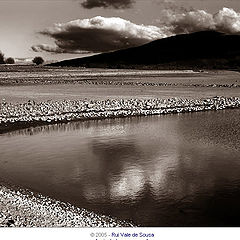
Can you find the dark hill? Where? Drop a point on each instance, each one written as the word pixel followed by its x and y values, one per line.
pixel 207 49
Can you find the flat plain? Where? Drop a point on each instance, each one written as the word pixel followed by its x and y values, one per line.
pixel 23 83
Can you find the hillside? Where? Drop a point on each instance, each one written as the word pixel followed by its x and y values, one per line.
pixel 206 49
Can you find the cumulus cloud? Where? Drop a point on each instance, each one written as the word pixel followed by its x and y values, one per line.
pixel 226 20
pixel 118 4
pixel 192 21
pixel 47 48
pixel 55 49
pixel 101 34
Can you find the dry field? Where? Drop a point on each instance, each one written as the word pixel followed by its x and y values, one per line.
pixel 23 83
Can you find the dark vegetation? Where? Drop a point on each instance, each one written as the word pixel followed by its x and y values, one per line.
pixel 1 58
pixel 6 61
pixel 38 60
pixel 10 60
pixel 200 50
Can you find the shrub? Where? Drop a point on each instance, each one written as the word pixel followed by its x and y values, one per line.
pixel 10 60
pixel 1 58
pixel 38 60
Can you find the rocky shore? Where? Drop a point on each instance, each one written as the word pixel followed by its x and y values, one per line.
pixel 21 208
pixel 48 112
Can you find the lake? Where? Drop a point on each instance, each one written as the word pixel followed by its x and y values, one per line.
pixel 172 170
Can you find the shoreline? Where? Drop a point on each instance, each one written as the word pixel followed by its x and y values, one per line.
pixel 31 114
pixel 23 208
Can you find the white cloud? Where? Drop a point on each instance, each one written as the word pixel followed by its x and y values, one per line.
pixel 226 20
pixel 191 22
pixel 101 34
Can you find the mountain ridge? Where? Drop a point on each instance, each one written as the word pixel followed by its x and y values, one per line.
pixel 205 49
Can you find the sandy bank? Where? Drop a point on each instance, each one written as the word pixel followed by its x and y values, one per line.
pixel 21 208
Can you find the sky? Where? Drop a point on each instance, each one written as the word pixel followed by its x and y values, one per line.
pixel 61 29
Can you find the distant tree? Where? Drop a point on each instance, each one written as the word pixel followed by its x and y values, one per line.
pixel 38 60
pixel 10 60
pixel 1 58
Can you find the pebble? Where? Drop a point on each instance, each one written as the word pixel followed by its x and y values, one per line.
pixel 26 209
pixel 71 110
pixel 46 81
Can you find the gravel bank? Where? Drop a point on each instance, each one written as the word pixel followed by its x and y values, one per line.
pixel 14 116
pixel 21 208
pixel 43 81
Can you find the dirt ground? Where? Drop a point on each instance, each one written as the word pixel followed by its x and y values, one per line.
pixel 22 83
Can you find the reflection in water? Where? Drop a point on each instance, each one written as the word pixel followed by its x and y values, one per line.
pixel 71 126
pixel 175 170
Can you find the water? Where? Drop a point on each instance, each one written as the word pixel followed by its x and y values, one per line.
pixel 173 170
